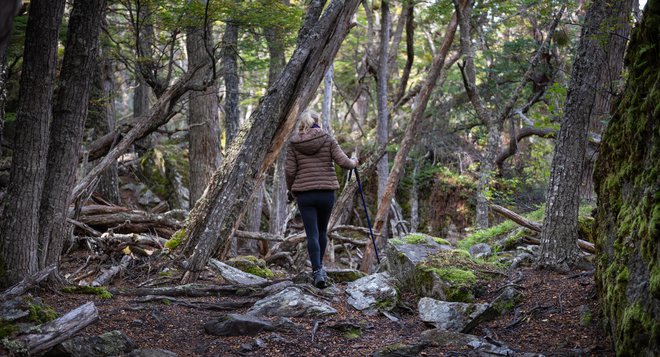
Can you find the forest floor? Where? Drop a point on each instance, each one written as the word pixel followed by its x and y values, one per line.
pixel 551 321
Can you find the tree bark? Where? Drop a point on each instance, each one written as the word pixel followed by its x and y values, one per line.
pixel 102 119
pixel 204 150
pixel 258 144
pixel 409 140
pixel 230 69
pixel 7 13
pixel 69 114
pixel 326 112
pixel 560 227
pixel 382 130
pixel 19 222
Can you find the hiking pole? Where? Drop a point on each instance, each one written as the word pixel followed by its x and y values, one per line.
pixel 364 204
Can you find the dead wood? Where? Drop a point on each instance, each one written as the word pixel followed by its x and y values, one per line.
pixel 192 290
pixel 89 210
pixel 280 255
pixel 221 306
pixel 262 236
pixel 84 227
pixel 47 335
pixel 132 222
pixel 536 227
pixel 108 274
pixel 27 283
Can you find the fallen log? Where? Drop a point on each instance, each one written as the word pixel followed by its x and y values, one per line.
pixel 24 285
pixel 536 227
pixel 119 241
pixel 258 236
pixel 47 335
pixel 132 222
pixel 108 274
pixel 192 290
pixel 221 306
pixel 90 210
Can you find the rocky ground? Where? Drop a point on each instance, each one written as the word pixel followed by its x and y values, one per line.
pixel 559 316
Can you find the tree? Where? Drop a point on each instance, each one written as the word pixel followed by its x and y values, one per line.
pixel 19 219
pixel 204 149
pixel 69 114
pixel 213 220
pixel 382 129
pixel 230 70
pixel 9 9
pixel 560 226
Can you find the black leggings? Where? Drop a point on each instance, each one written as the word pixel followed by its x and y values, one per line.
pixel 315 208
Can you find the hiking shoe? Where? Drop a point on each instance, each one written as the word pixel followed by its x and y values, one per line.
pixel 320 278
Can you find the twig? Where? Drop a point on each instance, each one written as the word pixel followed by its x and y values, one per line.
pixel 316 327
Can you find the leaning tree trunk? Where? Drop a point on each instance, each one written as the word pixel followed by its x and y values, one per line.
pixel 19 222
pixel 627 224
pixel 560 227
pixel 381 98
pixel 66 133
pixel 204 150
pixel 260 141
pixel 408 141
pixel 326 111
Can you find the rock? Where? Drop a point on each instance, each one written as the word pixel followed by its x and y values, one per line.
pixel 349 329
pixel 400 350
pixel 372 293
pixel 144 195
pixel 111 343
pixel 522 259
pixel 277 287
pixel 453 316
pixel 165 169
pixel 251 265
pixel 414 262
pixel 152 353
pixel 344 275
pixel 440 337
pixel 507 300
pixel 233 275
pixel 237 325
pixel 291 302
pixel 480 250
pixel 585 315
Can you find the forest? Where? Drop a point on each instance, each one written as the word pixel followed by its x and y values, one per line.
pixel 505 200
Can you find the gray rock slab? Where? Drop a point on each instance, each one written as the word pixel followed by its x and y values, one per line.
pixel 400 350
pixel 237 325
pixel 111 343
pixel 372 293
pixel 481 250
pixel 453 316
pixel 152 353
pixel 233 275
pixel 344 275
pixel 291 302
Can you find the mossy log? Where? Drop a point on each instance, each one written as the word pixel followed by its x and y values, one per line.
pixel 47 335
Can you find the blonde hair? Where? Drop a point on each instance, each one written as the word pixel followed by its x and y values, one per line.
pixel 306 119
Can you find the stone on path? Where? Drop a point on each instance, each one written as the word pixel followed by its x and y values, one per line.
pixel 372 293
pixel 400 350
pixel 237 325
pixel 453 316
pixel 111 343
pixel 291 302
pixel 233 275
pixel 152 353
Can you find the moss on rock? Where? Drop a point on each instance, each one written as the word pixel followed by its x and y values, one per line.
pixel 251 265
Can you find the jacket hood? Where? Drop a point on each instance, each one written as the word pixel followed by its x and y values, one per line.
pixel 310 142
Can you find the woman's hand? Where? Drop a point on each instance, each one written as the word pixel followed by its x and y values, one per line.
pixel 357 162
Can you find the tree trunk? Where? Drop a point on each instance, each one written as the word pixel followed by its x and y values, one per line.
pixel 560 227
pixel 258 144
pixel 19 222
pixel 277 219
pixel 408 141
pixel 204 151
pixel 102 119
pixel 7 13
pixel 230 69
pixel 326 113
pixel 382 129
pixel 69 114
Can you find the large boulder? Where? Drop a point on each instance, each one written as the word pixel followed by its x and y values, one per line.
pixel 291 302
pixel 627 180
pixel 427 266
pixel 373 293
pixel 453 316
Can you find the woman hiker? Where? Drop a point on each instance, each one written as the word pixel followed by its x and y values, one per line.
pixel 311 179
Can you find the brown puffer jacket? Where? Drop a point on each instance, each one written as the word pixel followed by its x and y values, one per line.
pixel 309 161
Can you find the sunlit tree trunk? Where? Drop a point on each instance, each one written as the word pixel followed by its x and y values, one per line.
pixel 204 151
pixel 560 227
pixel 19 222
pixel 326 113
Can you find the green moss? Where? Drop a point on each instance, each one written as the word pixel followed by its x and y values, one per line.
pixel 655 281
pixel 16 347
pixel 7 328
pixel 416 239
pixel 40 313
pixel 441 241
pixel 636 328
pixel 251 265
pixel 385 303
pixel 460 282
pixel 396 241
pixel 100 291
pixel 262 272
pixel 176 239
pixel 586 318
pixel 352 333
